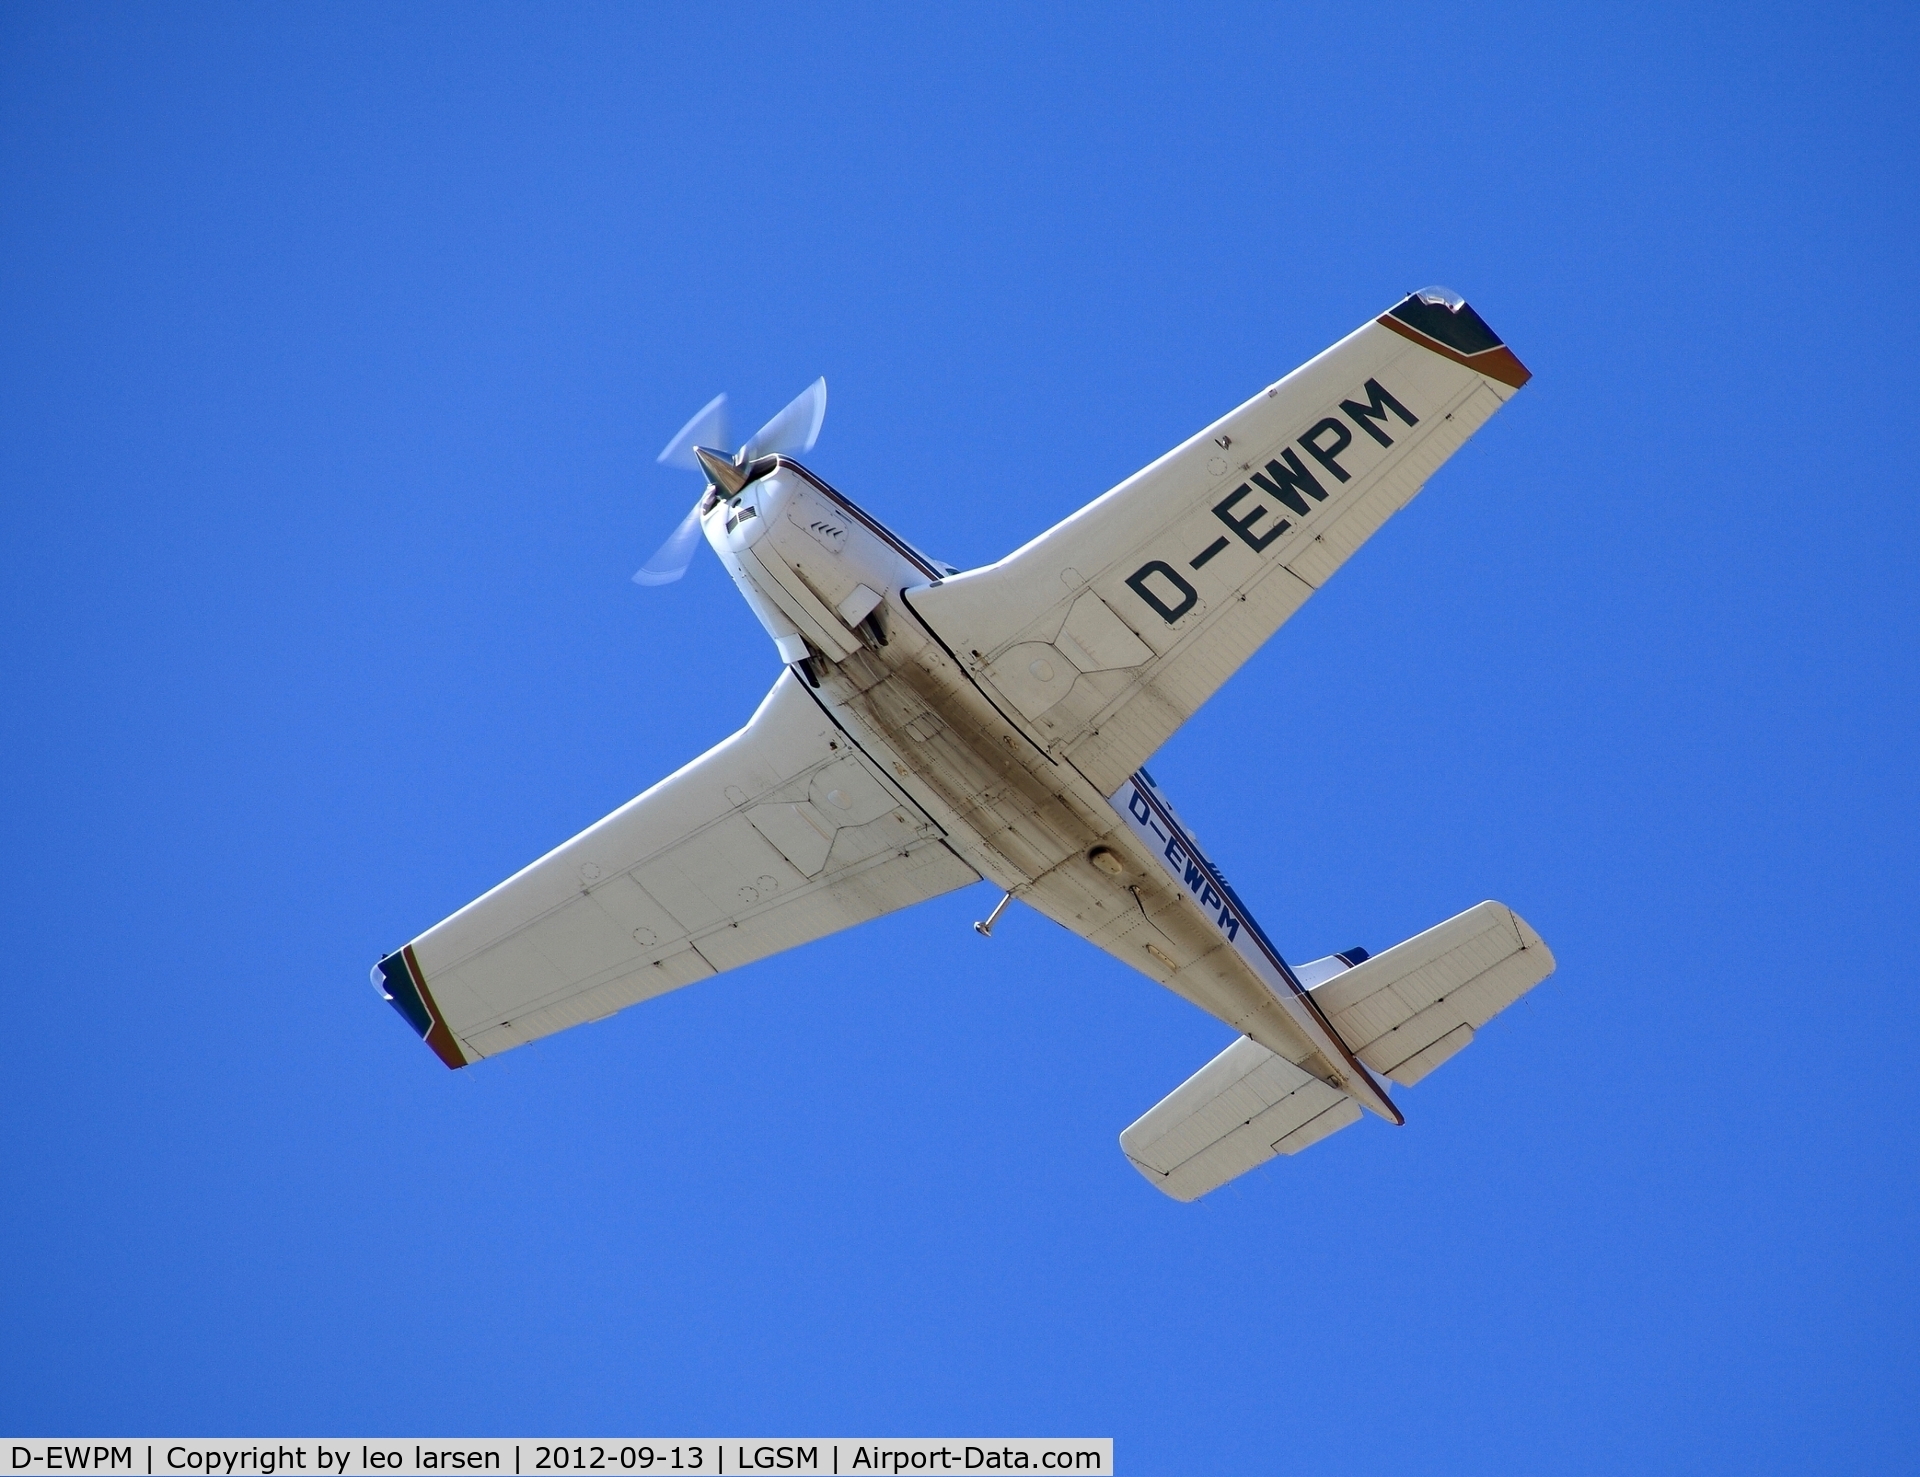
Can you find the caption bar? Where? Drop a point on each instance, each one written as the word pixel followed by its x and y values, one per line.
pixel 707 1456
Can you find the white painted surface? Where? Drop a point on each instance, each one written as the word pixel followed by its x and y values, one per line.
pixel 690 881
pixel 1407 1010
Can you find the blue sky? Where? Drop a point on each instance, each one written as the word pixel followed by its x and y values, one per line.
pixel 336 346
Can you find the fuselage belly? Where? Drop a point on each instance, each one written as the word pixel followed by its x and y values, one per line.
pixel 809 563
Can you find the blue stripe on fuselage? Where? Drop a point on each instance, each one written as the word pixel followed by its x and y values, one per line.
pixel 1192 867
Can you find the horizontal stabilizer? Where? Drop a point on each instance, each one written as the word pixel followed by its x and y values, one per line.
pixel 1239 1110
pixel 1403 1012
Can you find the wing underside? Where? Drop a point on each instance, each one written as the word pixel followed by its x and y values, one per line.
pixel 783 833
pixel 1106 633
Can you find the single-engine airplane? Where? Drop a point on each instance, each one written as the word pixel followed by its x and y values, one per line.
pixel 932 727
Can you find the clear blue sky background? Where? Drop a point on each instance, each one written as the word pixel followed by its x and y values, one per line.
pixel 335 347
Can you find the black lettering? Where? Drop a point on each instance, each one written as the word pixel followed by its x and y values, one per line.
pixel 1243 526
pixel 1379 402
pixel 1207 553
pixel 1325 454
pixel 1137 582
pixel 1286 479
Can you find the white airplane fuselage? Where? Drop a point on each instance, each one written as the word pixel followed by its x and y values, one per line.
pixel 835 590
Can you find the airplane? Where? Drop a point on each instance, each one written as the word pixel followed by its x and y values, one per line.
pixel 932 727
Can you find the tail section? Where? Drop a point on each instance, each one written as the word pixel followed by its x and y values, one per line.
pixel 1402 1012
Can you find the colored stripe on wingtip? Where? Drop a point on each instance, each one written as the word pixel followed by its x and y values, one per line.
pixel 1498 363
pixel 438 1036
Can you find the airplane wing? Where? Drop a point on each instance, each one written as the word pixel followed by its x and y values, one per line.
pixel 783 833
pixel 1106 633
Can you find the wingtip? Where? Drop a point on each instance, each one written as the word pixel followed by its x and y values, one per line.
pixel 403 984
pixel 1441 320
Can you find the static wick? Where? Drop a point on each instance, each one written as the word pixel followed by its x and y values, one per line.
pixel 985 930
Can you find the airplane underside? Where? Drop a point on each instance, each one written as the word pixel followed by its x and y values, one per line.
pixel 934 727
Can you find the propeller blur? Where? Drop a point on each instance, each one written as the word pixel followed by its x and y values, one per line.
pixel 698 448
pixel 672 558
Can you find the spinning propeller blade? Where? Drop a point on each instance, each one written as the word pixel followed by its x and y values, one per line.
pixel 708 428
pixel 794 429
pixel 670 561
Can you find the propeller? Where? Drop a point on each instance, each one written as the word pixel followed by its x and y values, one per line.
pixel 795 428
pixel 672 559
